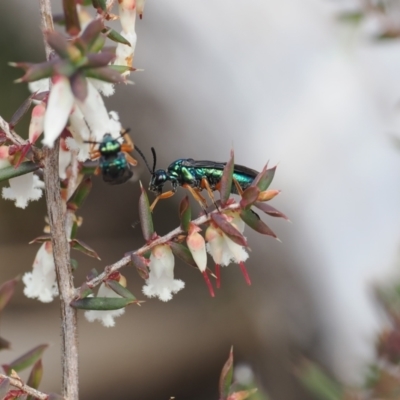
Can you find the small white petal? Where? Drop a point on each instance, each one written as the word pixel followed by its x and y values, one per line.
pixel 23 189
pixel 96 115
pixel 36 125
pixel 41 282
pixel 59 106
pixel 105 88
pixel 124 54
pixel 161 282
pixel 39 86
pixel 197 247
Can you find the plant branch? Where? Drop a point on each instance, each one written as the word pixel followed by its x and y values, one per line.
pixel 11 135
pixel 16 382
pixel 144 249
pixel 56 210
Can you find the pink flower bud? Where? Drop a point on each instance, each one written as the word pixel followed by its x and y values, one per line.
pixel 36 125
pixel 197 247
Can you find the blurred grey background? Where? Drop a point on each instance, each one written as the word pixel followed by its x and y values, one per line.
pixel 279 81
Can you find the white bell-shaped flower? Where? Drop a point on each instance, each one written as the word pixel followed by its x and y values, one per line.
pixel 161 282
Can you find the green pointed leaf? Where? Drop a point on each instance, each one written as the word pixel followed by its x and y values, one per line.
pixel 115 36
pixel 74 229
pixel 318 382
pixel 146 220
pixel 79 86
pixel 100 4
pixel 35 376
pixel 105 74
pixel 141 266
pixel 271 211
pixel 4 345
pixel 11 172
pixel 249 197
pixel 7 291
pixel 71 17
pixel 242 395
pixel 229 229
pixel 41 239
pixel 120 290
pixel 84 248
pixel 4 387
pixel 79 196
pixel 182 252
pixel 226 180
pixel 264 178
pixel 185 213
pixel 22 109
pixel 26 360
pixel 85 291
pixel 101 303
pixel 253 221
pixel 225 379
pixel 121 68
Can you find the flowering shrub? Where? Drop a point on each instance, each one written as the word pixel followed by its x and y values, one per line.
pixel 71 137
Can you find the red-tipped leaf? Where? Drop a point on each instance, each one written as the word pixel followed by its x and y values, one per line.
pixel 140 264
pixel 84 248
pixel 229 229
pixel 271 211
pixel 90 35
pixel 58 43
pixel 41 239
pixel 253 221
pixel 249 197
pixel 98 60
pixel 35 377
pixel 146 220
pixel 225 380
pixel 264 178
pixel 26 360
pixel 7 291
pixel 105 74
pixel 183 253
pixel 21 111
pixel 226 180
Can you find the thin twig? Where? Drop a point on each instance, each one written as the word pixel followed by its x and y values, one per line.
pixel 11 135
pixel 56 210
pixel 144 249
pixel 46 22
pixel 25 388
